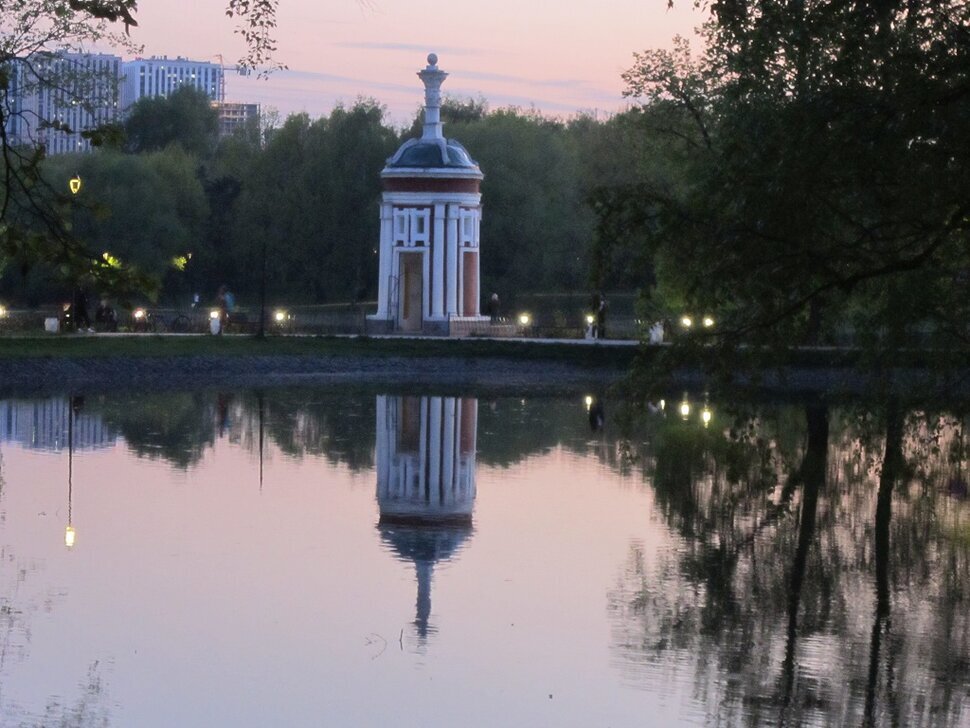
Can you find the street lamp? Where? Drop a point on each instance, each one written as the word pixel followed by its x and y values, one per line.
pixel 75 184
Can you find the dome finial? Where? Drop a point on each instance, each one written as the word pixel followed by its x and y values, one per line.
pixel 432 77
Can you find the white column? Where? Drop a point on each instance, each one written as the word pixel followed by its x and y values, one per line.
pixel 452 241
pixel 450 443
pixel 394 253
pixel 478 281
pixel 422 459
pixel 382 455
pixel 473 455
pixel 384 264
pixel 438 266
pixel 425 292
pixel 434 441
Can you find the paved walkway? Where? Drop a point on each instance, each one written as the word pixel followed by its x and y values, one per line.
pixel 408 337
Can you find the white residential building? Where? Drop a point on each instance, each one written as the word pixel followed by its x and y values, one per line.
pixel 160 76
pixel 55 97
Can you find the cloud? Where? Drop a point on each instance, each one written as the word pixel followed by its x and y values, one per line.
pixel 316 91
pixel 368 86
pixel 503 78
pixel 410 48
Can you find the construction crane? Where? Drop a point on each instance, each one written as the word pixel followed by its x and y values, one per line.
pixel 240 70
pixel 222 79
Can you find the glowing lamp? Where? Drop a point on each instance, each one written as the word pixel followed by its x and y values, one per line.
pixel 706 416
pixel 139 314
pixel 75 184
pixel 663 404
pixel 524 319
pixel 3 312
pixel 686 321
pixel 685 409
pixel 708 322
pixel 214 313
pixel 69 537
pixel 589 401
pixel 280 316
pixel 590 318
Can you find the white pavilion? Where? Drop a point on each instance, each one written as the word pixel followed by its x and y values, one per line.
pixel 431 212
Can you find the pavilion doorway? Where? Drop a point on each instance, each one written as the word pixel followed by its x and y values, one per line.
pixel 412 291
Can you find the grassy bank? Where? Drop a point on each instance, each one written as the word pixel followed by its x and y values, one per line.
pixel 140 346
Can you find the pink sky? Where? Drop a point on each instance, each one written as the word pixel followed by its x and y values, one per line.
pixel 559 57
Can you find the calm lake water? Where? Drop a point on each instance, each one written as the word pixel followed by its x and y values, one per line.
pixel 322 557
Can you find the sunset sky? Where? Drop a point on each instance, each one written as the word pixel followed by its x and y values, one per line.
pixel 560 57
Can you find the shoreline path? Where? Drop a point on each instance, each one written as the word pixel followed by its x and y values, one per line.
pixel 501 372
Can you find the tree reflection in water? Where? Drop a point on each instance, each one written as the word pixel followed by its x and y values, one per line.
pixel 822 566
pixel 820 583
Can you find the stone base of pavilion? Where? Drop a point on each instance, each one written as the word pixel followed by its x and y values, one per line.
pixel 454 326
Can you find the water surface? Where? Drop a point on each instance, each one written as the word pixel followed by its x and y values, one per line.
pixel 321 557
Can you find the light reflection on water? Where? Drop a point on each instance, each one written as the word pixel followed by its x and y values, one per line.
pixel 308 557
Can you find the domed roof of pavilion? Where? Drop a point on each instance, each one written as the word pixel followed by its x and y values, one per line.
pixel 432 151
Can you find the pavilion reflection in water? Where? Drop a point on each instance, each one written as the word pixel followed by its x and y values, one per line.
pixel 425 483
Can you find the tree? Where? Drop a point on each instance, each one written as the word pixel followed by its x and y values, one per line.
pixel 148 212
pixel 307 198
pixel 151 207
pixel 535 223
pixel 32 212
pixel 185 117
pixel 825 152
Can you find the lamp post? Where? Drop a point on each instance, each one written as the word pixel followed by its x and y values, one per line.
pixel 74 185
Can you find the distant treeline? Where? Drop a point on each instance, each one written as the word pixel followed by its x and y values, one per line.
pixel 196 211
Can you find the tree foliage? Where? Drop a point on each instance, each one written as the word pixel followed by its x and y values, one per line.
pixel 825 186
pixel 33 214
pixel 185 117
pixel 311 198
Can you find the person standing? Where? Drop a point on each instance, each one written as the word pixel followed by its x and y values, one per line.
pixel 105 316
pixel 82 322
pixel 601 317
pixel 223 304
pixel 493 305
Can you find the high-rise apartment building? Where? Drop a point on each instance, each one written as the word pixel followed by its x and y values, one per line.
pixel 53 98
pixel 160 76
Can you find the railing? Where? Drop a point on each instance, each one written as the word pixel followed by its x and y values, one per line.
pixel 325 320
